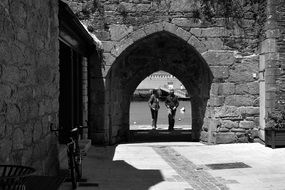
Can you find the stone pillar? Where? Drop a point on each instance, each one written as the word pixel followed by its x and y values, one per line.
pixel 272 61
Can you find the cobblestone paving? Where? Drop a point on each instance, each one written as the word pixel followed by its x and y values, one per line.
pixel 198 179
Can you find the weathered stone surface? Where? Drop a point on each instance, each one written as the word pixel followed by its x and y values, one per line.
pixel 5 91
pixel 238 130
pixel 223 129
pixel 244 72
pixel 214 44
pixel 204 136
pixel 226 89
pixel 2 126
pixel 231 52
pixel 118 32
pixel 28 70
pixel 129 7
pixel 18 139
pixel 185 23
pixel 197 44
pixel 121 46
pixel 103 35
pixel 143 7
pixel 239 100
pixel 215 89
pixel 107 46
pixel 5 150
pixel 248 88
pixel 169 27
pixel 181 5
pixel 11 74
pixel 220 72
pixel 219 58
pixel 214 32
pixel 229 124
pixel 37 131
pixel 138 34
pixel 152 28
pixel 227 111
pixel 249 111
pixel 108 58
pixel 268 45
pixel 213 125
pixel 216 100
pixel 224 138
pixel 247 124
pixel 43 74
pixel 183 34
pixel 13 114
pixel 196 32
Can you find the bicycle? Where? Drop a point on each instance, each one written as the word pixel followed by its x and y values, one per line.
pixel 73 153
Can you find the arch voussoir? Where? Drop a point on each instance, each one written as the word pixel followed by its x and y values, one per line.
pixel 138 34
pixel 183 34
pixel 197 44
pixel 121 46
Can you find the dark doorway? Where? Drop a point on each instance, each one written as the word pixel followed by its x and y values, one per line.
pixel 70 87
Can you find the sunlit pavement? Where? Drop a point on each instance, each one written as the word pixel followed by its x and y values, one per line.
pixel 159 127
pixel 182 166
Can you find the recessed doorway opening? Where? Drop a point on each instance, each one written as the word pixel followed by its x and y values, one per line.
pixel 140 114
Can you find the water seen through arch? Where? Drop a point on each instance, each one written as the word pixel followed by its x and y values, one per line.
pixel 140 116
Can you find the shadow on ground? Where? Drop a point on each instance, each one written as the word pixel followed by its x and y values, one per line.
pixel 99 167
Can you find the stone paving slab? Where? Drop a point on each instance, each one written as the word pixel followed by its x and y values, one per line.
pixel 182 166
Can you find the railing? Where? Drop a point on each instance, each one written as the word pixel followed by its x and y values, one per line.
pixel 178 93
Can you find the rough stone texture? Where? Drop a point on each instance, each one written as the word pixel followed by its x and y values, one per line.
pixel 248 88
pixel 246 124
pixel 29 83
pixel 224 138
pixel 273 50
pixel 229 124
pixel 230 50
pixel 225 58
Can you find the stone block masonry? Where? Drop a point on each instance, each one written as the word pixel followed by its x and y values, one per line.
pixel 230 47
pixel 29 77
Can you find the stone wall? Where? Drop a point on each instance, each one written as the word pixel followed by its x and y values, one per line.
pixel 29 77
pixel 230 46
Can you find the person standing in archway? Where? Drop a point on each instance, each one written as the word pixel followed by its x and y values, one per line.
pixel 153 103
pixel 171 104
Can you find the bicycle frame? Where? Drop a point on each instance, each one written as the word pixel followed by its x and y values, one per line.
pixel 74 155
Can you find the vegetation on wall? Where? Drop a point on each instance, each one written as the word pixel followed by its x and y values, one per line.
pixel 236 13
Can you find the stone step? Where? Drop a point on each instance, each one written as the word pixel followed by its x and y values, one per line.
pixel 159 135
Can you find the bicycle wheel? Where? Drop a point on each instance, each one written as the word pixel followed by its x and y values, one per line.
pixel 78 166
pixel 71 162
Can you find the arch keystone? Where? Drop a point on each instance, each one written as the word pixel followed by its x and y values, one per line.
pixel 169 27
pixel 152 28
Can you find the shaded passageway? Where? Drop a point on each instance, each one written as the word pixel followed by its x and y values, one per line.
pixel 159 51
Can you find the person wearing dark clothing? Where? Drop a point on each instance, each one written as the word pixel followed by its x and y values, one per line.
pixel 153 104
pixel 171 104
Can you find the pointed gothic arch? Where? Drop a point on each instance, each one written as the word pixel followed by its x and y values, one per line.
pixel 160 50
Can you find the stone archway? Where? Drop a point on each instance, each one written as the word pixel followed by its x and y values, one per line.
pixel 160 50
